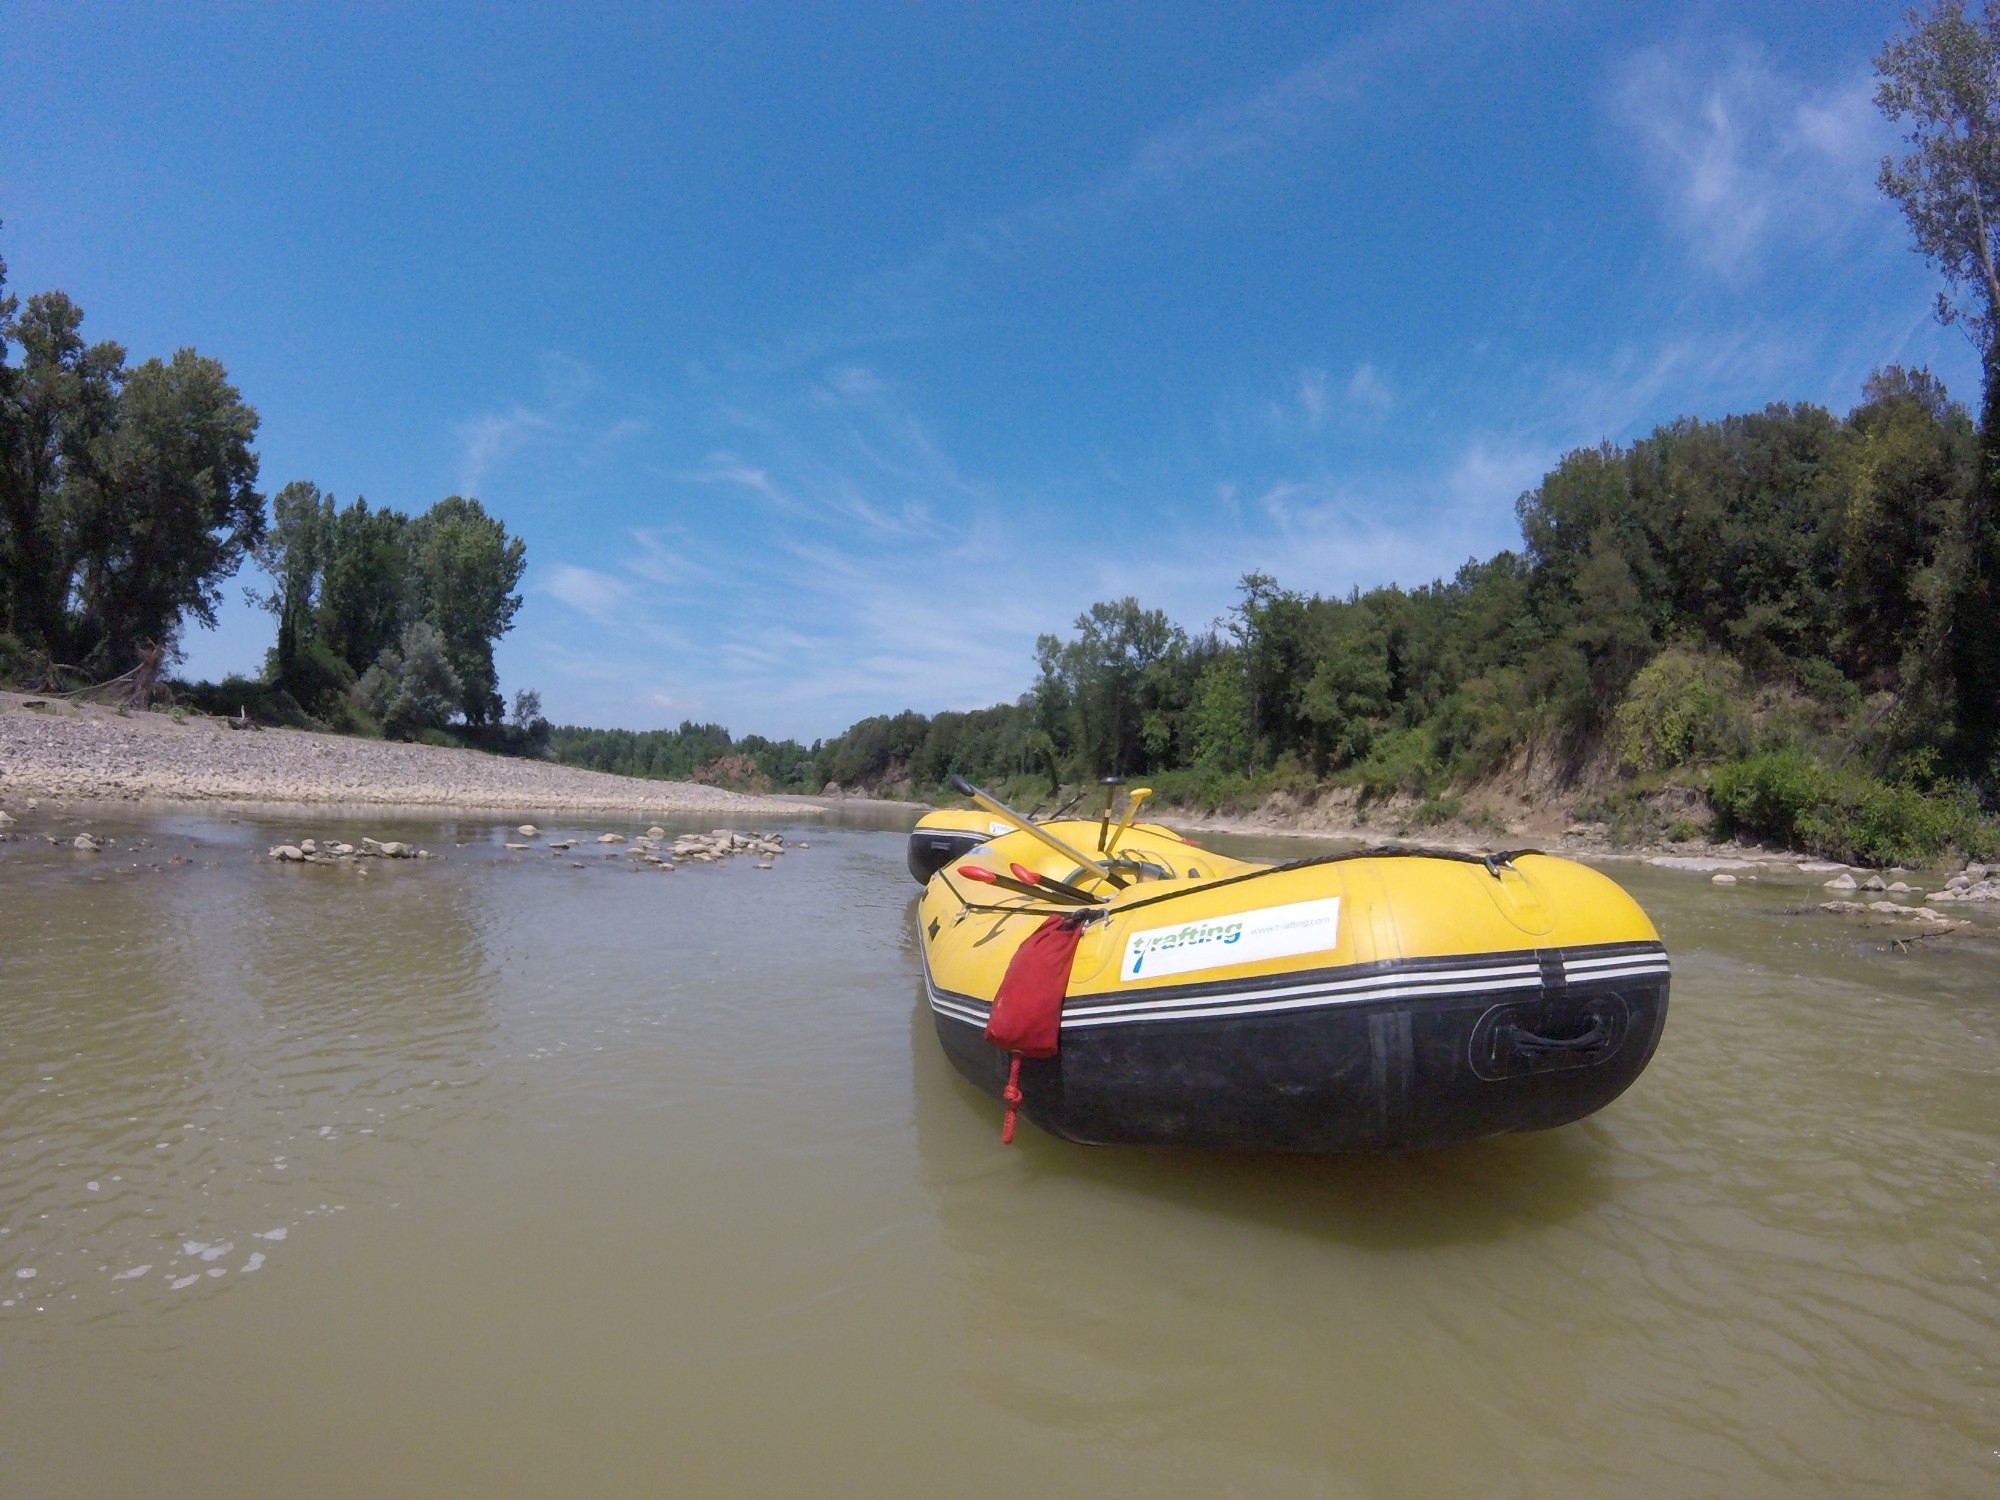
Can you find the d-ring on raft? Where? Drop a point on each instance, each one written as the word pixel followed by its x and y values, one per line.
pixel 1374 1001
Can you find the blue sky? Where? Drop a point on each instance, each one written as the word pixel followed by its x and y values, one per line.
pixel 825 356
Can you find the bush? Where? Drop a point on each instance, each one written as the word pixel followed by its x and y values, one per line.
pixel 317 676
pixel 1681 708
pixel 412 687
pixel 1403 760
pixel 1209 788
pixel 1786 798
pixel 15 658
pixel 265 702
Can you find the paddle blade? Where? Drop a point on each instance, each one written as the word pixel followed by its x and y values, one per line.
pixel 1026 876
pixel 979 873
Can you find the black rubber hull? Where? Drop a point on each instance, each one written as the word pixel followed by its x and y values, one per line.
pixel 1397 1057
pixel 932 849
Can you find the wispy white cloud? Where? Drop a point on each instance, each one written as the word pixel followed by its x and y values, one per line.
pixel 1368 392
pixel 1312 396
pixel 600 596
pixel 489 440
pixel 1206 151
pixel 1748 158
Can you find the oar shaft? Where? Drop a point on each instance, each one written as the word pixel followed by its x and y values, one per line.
pixel 1001 810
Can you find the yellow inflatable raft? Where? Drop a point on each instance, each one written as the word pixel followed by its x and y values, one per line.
pixel 1378 1000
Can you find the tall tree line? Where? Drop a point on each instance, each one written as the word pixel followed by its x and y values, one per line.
pixel 1783 582
pixel 128 497
pixel 127 493
pixel 400 612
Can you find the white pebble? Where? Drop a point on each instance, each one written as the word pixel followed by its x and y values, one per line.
pixel 90 1187
pixel 220 1271
pixel 185 1281
pixel 256 1259
pixel 27 1273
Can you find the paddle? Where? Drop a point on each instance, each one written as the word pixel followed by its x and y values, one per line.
pixel 1000 809
pixel 1050 883
pixel 1032 886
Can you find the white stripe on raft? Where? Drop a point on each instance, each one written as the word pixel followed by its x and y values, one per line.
pixel 1514 976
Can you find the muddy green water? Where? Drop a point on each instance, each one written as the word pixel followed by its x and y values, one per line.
pixel 491 1176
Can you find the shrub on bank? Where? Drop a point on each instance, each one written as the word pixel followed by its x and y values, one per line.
pixel 1785 797
pixel 1681 708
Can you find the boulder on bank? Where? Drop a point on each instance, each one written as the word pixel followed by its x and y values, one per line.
pixel 1960 889
pixel 1888 913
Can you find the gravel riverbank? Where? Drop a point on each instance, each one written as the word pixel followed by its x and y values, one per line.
pixel 64 751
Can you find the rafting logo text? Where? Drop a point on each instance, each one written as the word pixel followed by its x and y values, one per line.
pixel 1238 938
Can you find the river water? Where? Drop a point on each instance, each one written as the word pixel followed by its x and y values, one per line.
pixel 495 1176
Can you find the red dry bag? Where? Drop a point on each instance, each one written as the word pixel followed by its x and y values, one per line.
pixel 1027 1012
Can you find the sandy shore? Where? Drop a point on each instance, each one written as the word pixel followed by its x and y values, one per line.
pixel 64 751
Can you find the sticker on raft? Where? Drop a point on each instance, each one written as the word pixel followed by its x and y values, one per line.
pixel 1246 937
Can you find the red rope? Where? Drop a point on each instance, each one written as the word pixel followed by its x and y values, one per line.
pixel 1013 1098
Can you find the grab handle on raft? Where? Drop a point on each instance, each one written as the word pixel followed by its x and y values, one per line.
pixel 1534 1045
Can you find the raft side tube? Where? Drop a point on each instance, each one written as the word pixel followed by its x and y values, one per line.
pixel 1376 1057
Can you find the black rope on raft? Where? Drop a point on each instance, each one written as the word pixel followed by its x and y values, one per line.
pixel 1019 911
pixel 1491 863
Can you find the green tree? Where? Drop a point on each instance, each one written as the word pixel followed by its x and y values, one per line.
pixel 1224 735
pixel 1347 697
pixel 1914 455
pixel 293 552
pixel 1106 683
pixel 170 508
pixel 55 405
pixel 126 495
pixel 462 570
pixel 1942 79
pixel 362 591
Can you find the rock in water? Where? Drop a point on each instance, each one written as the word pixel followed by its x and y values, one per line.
pixel 1722 879
pixel 289 852
pixel 611 838
pixel 528 831
pixel 1842 882
pixel 1875 883
pixel 656 832
pixel 86 843
pixel 6 820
